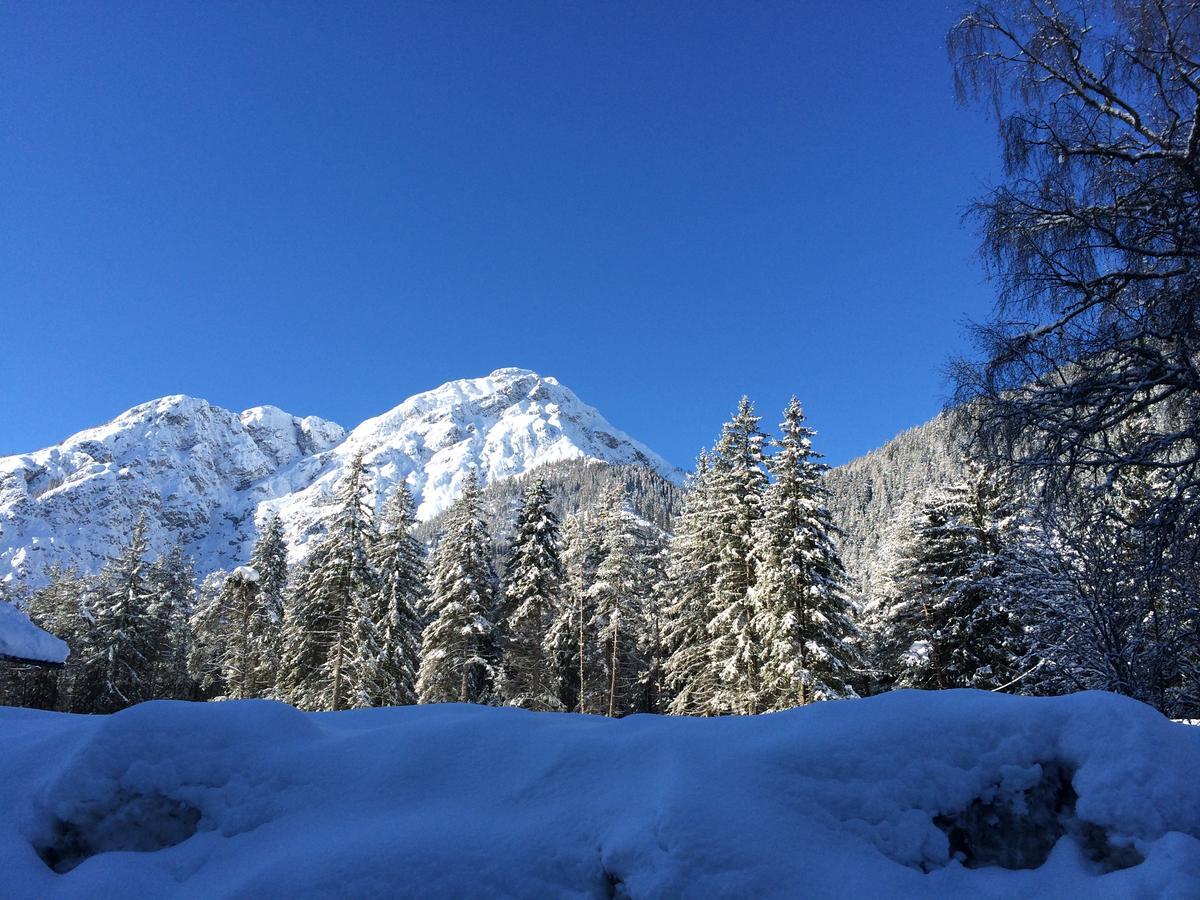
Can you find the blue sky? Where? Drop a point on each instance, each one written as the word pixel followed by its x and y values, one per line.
pixel 329 207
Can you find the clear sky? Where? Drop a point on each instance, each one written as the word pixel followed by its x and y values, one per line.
pixel 331 206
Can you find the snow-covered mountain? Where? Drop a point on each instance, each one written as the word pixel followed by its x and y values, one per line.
pixel 205 476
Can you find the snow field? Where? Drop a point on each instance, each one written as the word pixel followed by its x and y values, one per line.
pixel 854 798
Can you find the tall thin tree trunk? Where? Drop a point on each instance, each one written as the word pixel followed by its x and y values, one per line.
pixel 337 671
pixel 537 662
pixel 612 687
pixel 581 651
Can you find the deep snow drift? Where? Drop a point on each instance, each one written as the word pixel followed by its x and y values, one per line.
pixel 864 798
pixel 21 639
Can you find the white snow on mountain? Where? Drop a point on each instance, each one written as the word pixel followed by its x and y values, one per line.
pixel 505 424
pixel 205 476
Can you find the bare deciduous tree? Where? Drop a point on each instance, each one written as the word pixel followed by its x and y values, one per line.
pixel 1094 237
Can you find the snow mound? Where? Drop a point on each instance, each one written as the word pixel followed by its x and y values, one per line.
pixel 21 639
pixel 958 793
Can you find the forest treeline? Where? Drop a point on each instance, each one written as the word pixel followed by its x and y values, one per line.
pixel 742 606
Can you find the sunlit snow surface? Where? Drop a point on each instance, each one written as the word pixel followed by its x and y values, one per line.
pixel 21 639
pixel 836 800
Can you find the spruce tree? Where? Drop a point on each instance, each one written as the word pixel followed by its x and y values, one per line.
pixel 332 644
pixel 270 561
pixel 458 648
pixel 118 655
pixel 691 573
pixel 208 627
pixel 802 608
pixel 739 480
pixel 533 593
pixel 652 640
pixel 354 671
pixel 400 561
pixel 174 582
pixel 570 643
pixel 303 639
pixel 232 628
pixel 618 605
pixel 951 621
pixel 244 641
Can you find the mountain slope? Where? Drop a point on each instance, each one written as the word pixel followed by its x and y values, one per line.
pixel 204 476
pixel 505 424
pixel 869 495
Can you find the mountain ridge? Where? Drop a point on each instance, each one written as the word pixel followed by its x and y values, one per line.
pixel 208 475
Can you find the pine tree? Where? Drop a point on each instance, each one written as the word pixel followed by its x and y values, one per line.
pixel 243 644
pixel 303 639
pixel 692 558
pixel 118 655
pixel 652 639
pixel 332 645
pixel 458 648
pixel 738 483
pixel 802 608
pixel 570 643
pixel 174 582
pixel 400 561
pixel 533 592
pixel 951 621
pixel 207 627
pixel 355 670
pixel 231 626
pixel 269 560
pixel 618 605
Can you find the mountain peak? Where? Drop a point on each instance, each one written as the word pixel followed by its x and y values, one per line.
pixel 204 476
pixel 512 372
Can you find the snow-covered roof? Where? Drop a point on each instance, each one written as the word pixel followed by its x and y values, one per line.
pixel 21 639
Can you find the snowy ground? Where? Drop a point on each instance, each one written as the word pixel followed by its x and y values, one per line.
pixel 846 799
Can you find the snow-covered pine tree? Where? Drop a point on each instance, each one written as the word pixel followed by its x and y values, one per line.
pixel 618 604
pixel 355 670
pixel 689 681
pixel 303 639
pixel 802 608
pixel 270 560
pixel 652 638
pixel 570 643
pixel 118 655
pixel 207 628
pixel 533 593
pixel 400 561
pixel 243 644
pixel 458 647
pixel 231 630
pixel 174 581
pixel 951 621
pixel 739 480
